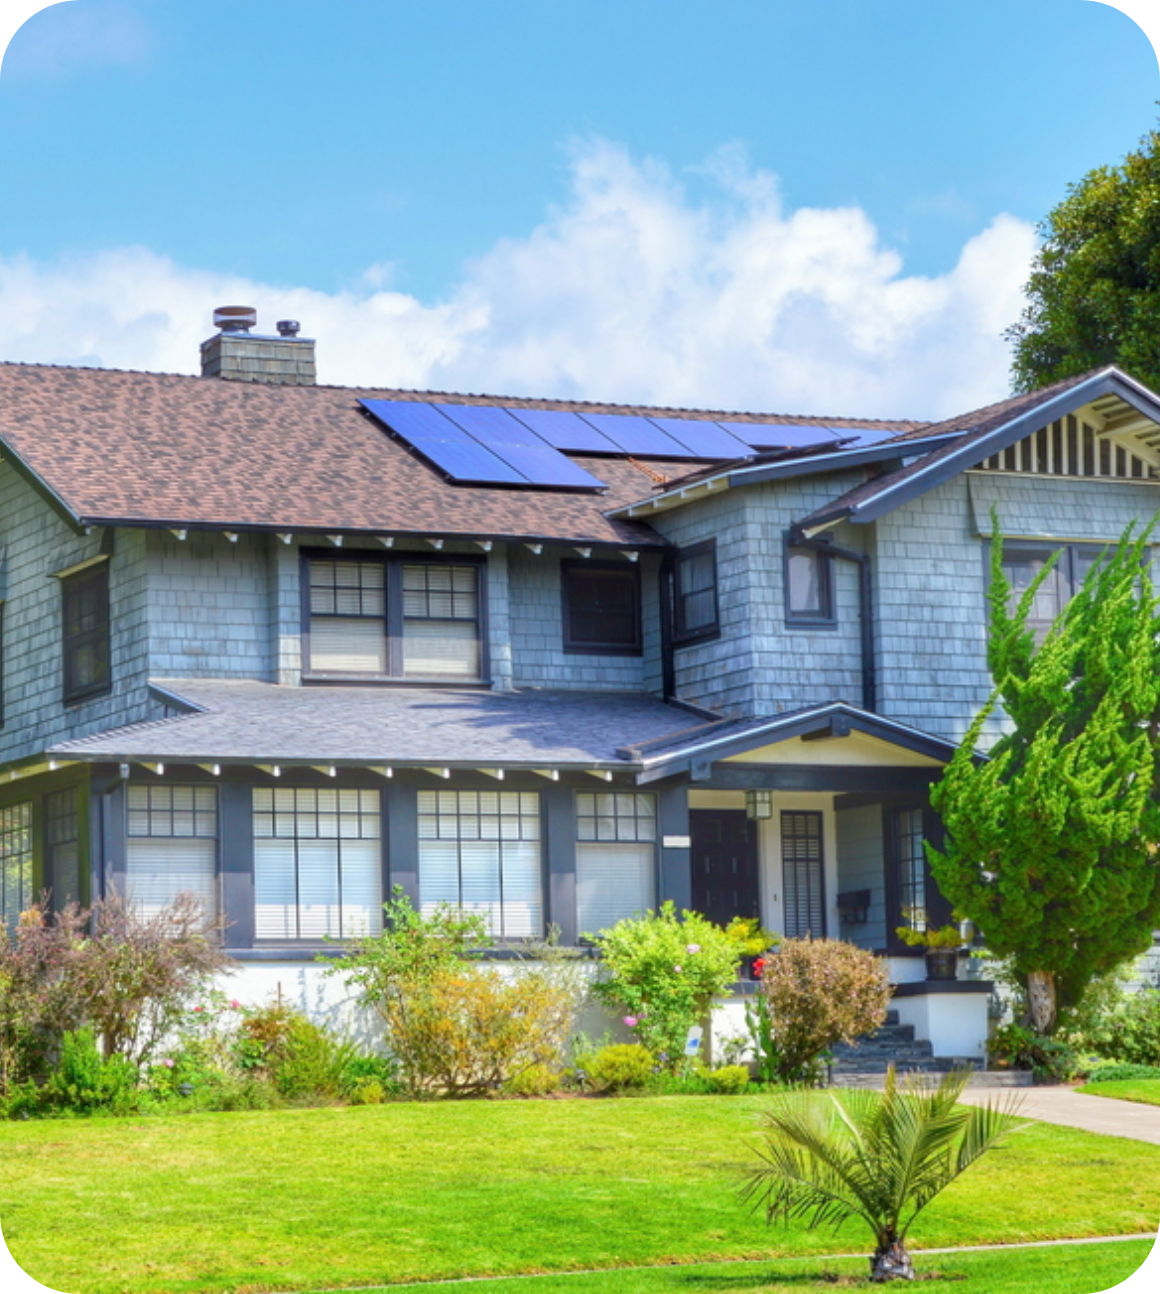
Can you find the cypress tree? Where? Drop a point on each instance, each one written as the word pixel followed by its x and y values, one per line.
pixel 1052 842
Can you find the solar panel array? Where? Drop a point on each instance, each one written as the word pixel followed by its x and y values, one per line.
pixel 488 445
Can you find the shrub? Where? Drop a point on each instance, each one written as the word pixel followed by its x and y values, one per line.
pixel 367 1091
pixel 759 1022
pixel 536 1080
pixel 1118 1073
pixel 821 992
pixel 38 999
pixel 135 976
pixel 85 1082
pixel 662 971
pixel 620 1067
pixel 454 1026
pixel 369 1069
pixel 1023 1048
pixel 1125 1028
pixel 729 1079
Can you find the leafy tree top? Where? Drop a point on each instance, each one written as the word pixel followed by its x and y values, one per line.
pixel 1094 290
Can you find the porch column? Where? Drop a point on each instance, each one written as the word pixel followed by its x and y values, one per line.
pixel 676 868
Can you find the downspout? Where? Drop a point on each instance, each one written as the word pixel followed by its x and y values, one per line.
pixel 865 609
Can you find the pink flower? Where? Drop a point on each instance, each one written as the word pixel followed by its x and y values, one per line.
pixel 235 1005
pixel 677 969
pixel 630 1021
pixel 693 948
pixel 199 1008
pixel 167 1063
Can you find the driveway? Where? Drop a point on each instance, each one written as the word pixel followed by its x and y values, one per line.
pixel 1074 1110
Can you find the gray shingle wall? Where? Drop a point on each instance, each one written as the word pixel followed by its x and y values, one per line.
pixel 499 627
pixel 36 543
pixel 210 606
pixel 759 665
pixel 537 630
pixel 1031 506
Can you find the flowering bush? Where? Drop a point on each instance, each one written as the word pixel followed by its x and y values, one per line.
pixel 662 972
pixel 820 992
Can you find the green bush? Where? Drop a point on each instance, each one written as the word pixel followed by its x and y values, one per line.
pixel 536 1080
pixel 369 1068
pixel 1117 1073
pixel 456 1027
pixel 1124 1028
pixel 1023 1048
pixel 763 1041
pixel 367 1091
pixel 819 992
pixel 729 1079
pixel 85 1082
pixel 620 1067
pixel 662 972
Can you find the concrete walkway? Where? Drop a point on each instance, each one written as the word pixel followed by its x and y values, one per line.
pixel 1074 1110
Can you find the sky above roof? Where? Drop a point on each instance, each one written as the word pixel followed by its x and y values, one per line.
pixel 790 207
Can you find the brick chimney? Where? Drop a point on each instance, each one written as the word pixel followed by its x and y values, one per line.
pixel 238 355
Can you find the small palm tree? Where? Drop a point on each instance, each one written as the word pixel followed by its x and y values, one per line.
pixel 879 1156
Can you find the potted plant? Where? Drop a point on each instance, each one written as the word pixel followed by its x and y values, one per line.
pixel 752 941
pixel 942 948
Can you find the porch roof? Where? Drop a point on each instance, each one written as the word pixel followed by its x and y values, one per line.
pixel 249 722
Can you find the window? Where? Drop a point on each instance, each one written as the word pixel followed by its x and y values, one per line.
pixel 172 846
pixel 317 863
pixel 615 857
pixel 389 618
pixel 85 618
pixel 480 852
pixel 910 867
pixel 1023 563
pixel 802 874
pixel 809 595
pixel 695 594
pixel 15 860
pixel 62 846
pixel 601 608
pixel 1 664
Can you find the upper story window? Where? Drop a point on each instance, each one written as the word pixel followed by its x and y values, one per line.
pixel 695 614
pixel 601 608
pixel 85 632
pixel 381 617
pixel 1022 565
pixel 809 587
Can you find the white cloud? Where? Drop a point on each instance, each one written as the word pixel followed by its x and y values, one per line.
pixel 630 291
pixel 71 37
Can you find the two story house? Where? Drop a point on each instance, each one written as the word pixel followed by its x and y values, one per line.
pixel 288 646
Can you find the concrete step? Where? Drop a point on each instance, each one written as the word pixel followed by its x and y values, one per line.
pixel 980 1078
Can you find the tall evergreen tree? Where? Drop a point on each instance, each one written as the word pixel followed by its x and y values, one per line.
pixel 1094 291
pixel 1052 842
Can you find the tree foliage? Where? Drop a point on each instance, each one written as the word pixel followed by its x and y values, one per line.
pixel 1051 846
pixel 1095 283
pixel 878 1156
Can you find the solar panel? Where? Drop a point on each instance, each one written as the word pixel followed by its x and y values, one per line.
pixel 437 438
pixel 519 447
pixel 864 435
pixel 704 439
pixel 780 435
pixel 633 434
pixel 565 430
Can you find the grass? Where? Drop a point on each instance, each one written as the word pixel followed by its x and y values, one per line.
pixel 314 1199
pixel 1144 1091
pixel 1075 1269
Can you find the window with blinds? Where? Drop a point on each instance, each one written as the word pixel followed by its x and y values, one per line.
pixel 802 873
pixel 172 846
pixel 480 851
pixel 616 836
pixel 601 604
pixel 15 860
pixel 317 863
pixel 386 617
pixel 695 593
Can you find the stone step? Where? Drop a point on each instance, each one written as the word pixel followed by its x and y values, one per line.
pixel 869 1047
pixel 980 1078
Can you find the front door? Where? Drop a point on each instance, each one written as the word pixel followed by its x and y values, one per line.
pixel 724 864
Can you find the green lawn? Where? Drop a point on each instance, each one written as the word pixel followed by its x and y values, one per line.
pixel 1145 1091
pixel 316 1199
pixel 1079 1269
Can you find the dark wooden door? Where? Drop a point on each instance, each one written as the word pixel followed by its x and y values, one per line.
pixel 724 864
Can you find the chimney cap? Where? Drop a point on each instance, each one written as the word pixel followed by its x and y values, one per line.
pixel 235 318
pixel 289 327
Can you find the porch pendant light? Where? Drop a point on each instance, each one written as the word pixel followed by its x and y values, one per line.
pixel 759 804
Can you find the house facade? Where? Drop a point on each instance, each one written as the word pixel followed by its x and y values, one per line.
pixel 289 646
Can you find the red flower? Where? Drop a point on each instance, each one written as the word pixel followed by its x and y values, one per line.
pixel 758 967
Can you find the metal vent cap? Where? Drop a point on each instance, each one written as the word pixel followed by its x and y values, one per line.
pixel 235 318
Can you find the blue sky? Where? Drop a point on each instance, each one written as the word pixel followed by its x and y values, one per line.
pixel 757 204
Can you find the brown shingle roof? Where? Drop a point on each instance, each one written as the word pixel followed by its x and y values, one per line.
pixel 166 449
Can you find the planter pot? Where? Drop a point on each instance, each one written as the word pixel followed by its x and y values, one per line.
pixel 942 963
